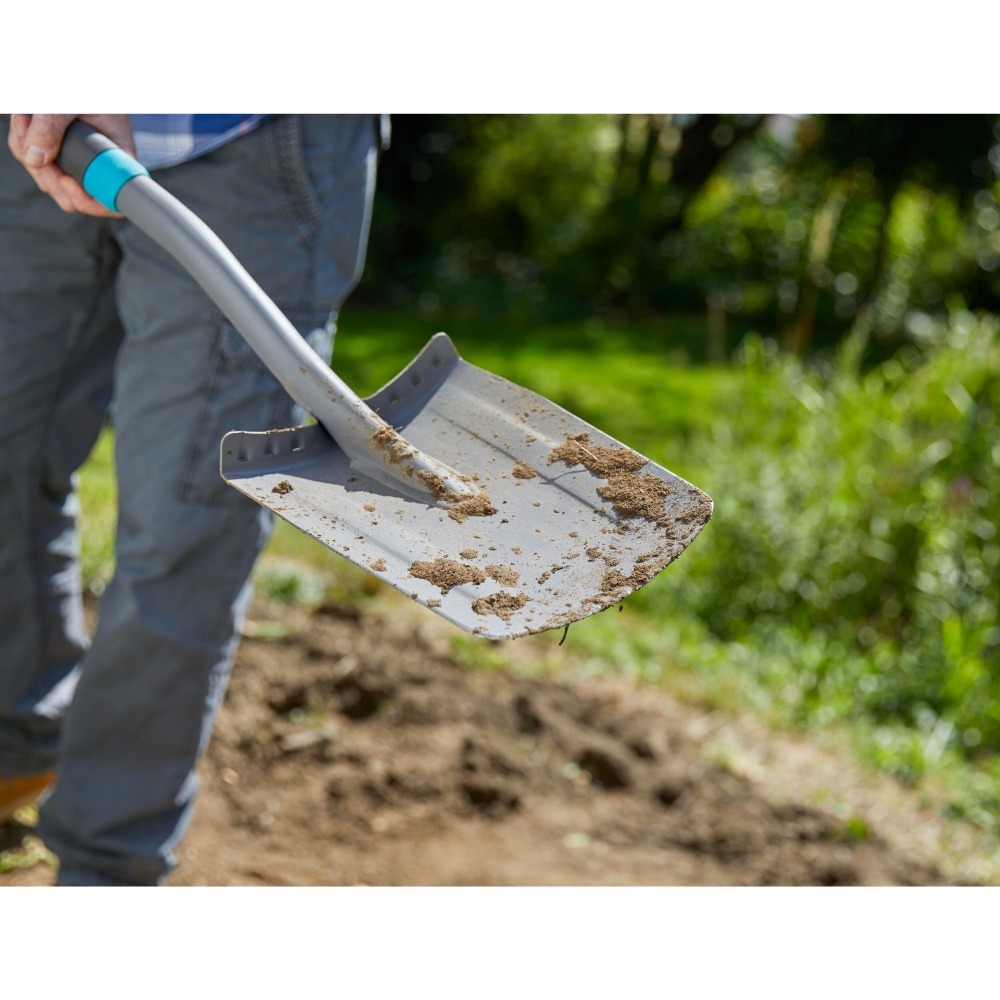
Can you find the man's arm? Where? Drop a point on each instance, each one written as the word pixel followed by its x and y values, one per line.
pixel 35 140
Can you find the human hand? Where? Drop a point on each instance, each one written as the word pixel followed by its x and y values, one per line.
pixel 35 140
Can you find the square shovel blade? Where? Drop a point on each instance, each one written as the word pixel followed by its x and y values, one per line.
pixel 579 523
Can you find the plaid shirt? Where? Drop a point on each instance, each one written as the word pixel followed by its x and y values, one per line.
pixel 166 140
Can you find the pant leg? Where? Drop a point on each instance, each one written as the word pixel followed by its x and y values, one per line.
pixel 292 200
pixel 58 336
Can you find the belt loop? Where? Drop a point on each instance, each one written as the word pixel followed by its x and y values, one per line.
pixel 383 126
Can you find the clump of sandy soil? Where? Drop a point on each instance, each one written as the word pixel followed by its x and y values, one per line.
pixel 500 604
pixel 630 494
pixel 447 573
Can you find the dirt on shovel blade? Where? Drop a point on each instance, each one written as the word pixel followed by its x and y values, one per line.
pixel 551 490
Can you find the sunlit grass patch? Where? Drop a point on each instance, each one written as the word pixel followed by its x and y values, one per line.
pixel 99 499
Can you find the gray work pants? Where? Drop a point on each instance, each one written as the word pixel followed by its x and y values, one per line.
pixel 94 315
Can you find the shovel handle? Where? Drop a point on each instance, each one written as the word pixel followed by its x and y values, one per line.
pixel 123 185
pixel 97 163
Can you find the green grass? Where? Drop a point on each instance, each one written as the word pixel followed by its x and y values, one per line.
pixel 99 496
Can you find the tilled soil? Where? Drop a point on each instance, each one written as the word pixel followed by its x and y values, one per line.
pixel 357 750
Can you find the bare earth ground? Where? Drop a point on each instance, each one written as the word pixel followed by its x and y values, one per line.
pixel 356 750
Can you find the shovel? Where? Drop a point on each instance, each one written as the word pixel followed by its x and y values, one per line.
pixel 481 500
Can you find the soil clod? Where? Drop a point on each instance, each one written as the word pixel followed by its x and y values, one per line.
pixel 629 494
pixel 500 604
pixel 447 573
pixel 502 574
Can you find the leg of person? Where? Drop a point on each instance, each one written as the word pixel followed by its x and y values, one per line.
pixel 292 200
pixel 59 333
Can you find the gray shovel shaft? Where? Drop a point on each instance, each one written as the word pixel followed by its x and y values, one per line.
pixel 265 328
pixel 120 183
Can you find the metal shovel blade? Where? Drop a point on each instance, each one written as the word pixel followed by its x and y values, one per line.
pixel 579 521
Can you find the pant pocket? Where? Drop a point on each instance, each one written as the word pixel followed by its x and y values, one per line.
pixel 240 393
pixel 282 139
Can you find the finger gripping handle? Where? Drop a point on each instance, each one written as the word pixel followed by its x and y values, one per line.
pixel 97 163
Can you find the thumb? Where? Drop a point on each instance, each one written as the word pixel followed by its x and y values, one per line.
pixel 43 138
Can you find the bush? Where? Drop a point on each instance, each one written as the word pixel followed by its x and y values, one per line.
pixel 852 563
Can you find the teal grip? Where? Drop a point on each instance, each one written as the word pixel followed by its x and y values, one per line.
pixel 108 173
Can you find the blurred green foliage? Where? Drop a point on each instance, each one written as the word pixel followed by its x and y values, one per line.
pixel 99 496
pixel 798 225
pixel 851 568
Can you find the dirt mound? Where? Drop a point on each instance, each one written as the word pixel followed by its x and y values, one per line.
pixel 357 750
